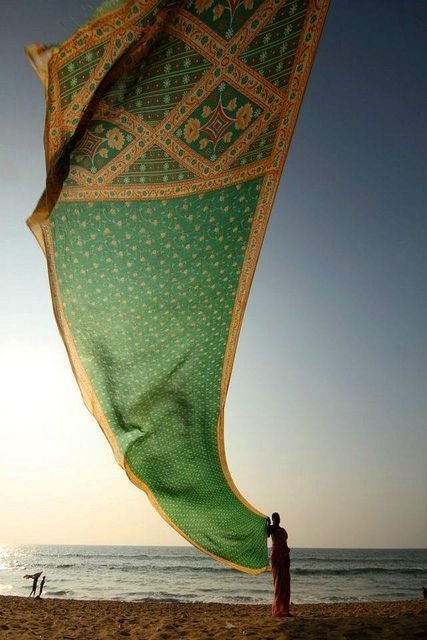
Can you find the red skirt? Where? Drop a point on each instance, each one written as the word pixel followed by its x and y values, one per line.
pixel 282 586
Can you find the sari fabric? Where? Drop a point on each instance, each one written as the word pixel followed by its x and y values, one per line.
pixel 167 126
pixel 280 566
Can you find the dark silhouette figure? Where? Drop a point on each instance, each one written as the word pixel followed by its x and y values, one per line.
pixel 41 586
pixel 35 578
pixel 280 566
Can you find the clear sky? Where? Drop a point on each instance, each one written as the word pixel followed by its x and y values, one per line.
pixel 327 412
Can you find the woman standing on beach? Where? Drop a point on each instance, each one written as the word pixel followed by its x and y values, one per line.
pixel 280 565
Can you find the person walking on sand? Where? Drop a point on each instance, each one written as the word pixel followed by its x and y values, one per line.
pixel 280 565
pixel 41 586
pixel 35 577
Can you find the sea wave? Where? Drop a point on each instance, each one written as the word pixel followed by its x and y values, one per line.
pixel 147 567
pixel 172 568
pixel 181 574
pixel 359 571
pixel 96 556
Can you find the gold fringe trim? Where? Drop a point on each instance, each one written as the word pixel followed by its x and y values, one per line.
pixel 39 57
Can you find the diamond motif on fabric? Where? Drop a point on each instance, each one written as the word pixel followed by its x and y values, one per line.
pixel 101 143
pixel 90 145
pixel 218 121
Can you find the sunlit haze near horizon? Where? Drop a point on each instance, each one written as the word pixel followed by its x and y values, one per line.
pixel 326 419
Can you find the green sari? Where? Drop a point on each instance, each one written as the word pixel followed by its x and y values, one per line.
pixel 167 127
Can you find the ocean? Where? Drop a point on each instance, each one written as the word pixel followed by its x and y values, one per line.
pixel 183 574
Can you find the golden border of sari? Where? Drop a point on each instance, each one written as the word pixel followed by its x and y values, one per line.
pixel 258 230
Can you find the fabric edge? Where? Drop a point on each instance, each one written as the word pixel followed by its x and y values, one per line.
pixel 150 495
pixel 88 394
pixel 250 262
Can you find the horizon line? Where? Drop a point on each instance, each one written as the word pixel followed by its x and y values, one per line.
pixel 189 546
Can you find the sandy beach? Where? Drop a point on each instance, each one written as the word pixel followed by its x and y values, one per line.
pixel 54 619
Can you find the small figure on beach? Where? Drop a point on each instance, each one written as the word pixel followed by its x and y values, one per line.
pixel 41 586
pixel 280 565
pixel 35 577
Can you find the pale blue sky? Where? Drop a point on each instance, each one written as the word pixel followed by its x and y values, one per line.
pixel 327 411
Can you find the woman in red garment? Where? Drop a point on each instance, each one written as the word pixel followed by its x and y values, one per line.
pixel 280 565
